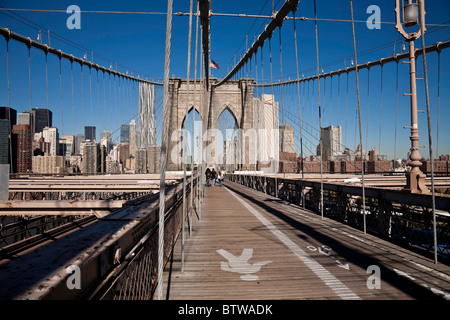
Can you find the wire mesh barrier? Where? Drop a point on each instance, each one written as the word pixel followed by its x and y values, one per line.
pixel 391 214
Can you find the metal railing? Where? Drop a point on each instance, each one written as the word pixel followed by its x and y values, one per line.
pixel 116 255
pixel 395 215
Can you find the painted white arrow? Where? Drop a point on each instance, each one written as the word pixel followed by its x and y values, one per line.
pixel 345 266
pixel 240 264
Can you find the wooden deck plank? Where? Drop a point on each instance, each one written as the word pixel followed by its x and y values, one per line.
pixel 229 224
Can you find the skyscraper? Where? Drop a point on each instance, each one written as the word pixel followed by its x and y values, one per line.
pixel 124 133
pixel 9 114
pixel 24 118
pixel 78 140
pixel 141 160
pixel 91 157
pixel 22 143
pixel 146 119
pixel 4 141
pixel 332 141
pixel 133 146
pixel 51 135
pixel 89 133
pixel 266 124
pixel 287 139
pixel 40 118
pixel 106 140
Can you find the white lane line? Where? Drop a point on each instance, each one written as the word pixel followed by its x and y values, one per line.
pixel 330 280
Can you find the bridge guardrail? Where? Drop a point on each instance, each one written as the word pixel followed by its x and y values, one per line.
pixel 116 256
pixel 395 215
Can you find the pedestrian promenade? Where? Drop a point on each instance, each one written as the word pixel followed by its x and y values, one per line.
pixel 248 245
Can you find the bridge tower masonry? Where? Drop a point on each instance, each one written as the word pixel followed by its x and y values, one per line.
pixel 236 96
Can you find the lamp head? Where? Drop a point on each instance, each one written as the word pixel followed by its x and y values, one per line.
pixel 410 14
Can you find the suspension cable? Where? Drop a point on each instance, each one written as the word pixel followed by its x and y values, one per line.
pixel 164 143
pixel 368 102
pixel 430 141
pixel 299 107
pixel 320 112
pixel 185 143
pixel 61 98
pixel 73 101
pixel 339 99
pixel 9 108
pixel 29 73
pixel 275 120
pixel 90 97
pixel 438 100
pixel 46 87
pixel 396 112
pixel 381 108
pixel 82 95
pixel 359 117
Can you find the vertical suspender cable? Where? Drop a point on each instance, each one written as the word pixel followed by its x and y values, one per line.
pixel 9 106
pixel 281 78
pixel 185 143
pixel 368 100
pixel 29 73
pixel 299 109
pixel 396 111
pixel 320 112
pixel 438 100
pixel 282 108
pixel 46 86
pixel 193 128
pixel 164 143
pixel 346 112
pixel 111 126
pixel 275 123
pixel 339 99
pixel 264 103
pixel 90 97
pixel 422 20
pixel 98 107
pixel 73 101
pixel 115 105
pixel 61 98
pixel 82 95
pixel 104 105
pixel 359 117
pixel 381 108
pixel 331 99
pixel 200 175
pixel 9 109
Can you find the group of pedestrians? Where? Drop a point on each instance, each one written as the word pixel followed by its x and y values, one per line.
pixel 212 176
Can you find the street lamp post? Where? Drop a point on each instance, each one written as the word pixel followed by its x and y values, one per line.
pixel 415 178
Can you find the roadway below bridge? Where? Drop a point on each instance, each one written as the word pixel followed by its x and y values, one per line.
pixel 252 246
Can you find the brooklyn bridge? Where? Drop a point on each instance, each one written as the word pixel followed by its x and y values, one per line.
pixel 313 166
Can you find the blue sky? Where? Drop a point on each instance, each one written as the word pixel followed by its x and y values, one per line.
pixel 136 43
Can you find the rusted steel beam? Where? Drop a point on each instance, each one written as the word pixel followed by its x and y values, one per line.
pixel 59 207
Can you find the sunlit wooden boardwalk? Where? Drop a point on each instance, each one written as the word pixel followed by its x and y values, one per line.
pixel 248 245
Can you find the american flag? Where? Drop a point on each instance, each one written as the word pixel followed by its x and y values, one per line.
pixel 214 65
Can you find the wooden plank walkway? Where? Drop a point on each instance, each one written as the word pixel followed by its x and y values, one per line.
pixel 251 246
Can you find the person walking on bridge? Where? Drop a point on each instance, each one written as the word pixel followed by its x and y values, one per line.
pixel 213 177
pixel 220 177
pixel 208 176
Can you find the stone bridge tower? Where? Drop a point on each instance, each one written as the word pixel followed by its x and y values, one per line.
pixel 236 96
